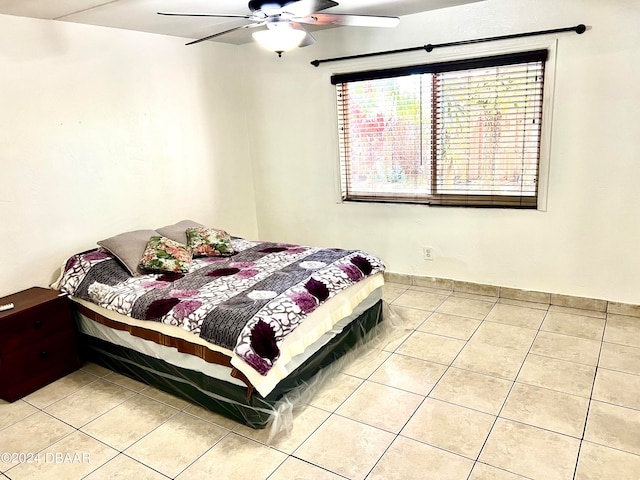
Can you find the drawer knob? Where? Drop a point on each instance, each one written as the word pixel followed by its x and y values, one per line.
pixel 44 354
pixel 37 324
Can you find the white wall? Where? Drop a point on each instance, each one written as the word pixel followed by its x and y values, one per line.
pixel 584 244
pixel 104 131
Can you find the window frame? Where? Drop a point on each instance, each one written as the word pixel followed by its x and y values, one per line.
pixel 460 56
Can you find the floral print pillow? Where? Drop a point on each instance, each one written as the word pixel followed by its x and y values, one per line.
pixel 209 242
pixel 165 255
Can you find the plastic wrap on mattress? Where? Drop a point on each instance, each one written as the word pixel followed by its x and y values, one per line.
pixel 276 410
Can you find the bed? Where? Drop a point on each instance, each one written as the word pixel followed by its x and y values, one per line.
pixel 239 327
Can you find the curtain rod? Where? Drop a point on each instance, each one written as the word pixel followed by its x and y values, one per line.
pixel 579 29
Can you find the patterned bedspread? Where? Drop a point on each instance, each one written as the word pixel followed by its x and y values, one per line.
pixel 247 303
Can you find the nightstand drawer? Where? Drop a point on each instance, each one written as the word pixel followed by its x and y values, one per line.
pixel 30 368
pixel 37 323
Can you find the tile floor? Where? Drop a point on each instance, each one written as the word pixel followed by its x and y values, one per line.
pixel 478 388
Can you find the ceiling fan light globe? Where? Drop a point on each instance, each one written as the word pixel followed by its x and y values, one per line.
pixel 279 39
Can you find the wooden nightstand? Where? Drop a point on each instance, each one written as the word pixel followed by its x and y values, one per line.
pixel 37 342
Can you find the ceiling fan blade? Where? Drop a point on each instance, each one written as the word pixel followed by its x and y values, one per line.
pixel 308 39
pixel 302 8
pixel 250 25
pixel 350 20
pixel 177 14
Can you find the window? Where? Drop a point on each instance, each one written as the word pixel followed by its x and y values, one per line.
pixel 451 133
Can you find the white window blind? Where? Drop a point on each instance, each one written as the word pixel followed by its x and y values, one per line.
pixel 452 133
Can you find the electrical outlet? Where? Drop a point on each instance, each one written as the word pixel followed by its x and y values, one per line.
pixel 428 253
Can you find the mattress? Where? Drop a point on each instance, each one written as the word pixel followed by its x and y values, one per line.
pixel 276 411
pixel 323 324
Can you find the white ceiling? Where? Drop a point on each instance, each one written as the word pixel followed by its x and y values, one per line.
pixel 141 15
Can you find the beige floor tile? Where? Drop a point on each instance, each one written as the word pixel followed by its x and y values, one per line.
pixel 235 457
pixel 371 403
pixel 364 366
pixel 409 373
pixel 622 330
pixel 578 311
pixel 620 357
pixel 530 451
pixel 624 309
pixel 618 388
pixel 125 382
pixel 434 348
pixel 577 303
pixel 165 397
pixel 548 409
pixel 397 279
pixel 32 434
pixel 59 389
pixel 211 417
pixel 73 457
pixel 613 426
pixel 129 422
pixel 95 369
pixel 450 427
pixel 354 455
pixel 124 468
pixel 503 362
pixel 420 300
pixel 597 463
pixel 476 289
pixel 408 459
pixel 555 374
pixel 174 445
pixel 433 282
pixel 526 295
pixel 482 471
pixel 466 307
pixel 480 289
pixel 576 325
pixel 11 413
pixel 449 325
pixel 89 402
pixel 294 469
pixel 409 318
pixel 438 290
pixel 397 340
pixel 565 347
pixel 500 335
pixel 524 303
pixel 475 296
pixel 392 291
pixel 348 430
pixel 305 422
pixel 472 390
pixel 516 315
pixel 331 396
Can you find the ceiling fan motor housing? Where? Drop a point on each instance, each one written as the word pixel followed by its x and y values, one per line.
pixel 280 21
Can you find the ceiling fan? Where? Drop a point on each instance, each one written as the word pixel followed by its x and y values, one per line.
pixel 284 20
